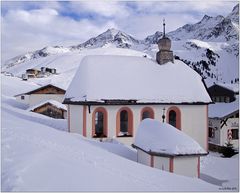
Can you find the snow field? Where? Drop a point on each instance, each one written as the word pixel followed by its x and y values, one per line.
pixel 37 156
pixel 40 158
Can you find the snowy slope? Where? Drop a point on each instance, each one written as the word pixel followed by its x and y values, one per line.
pixel 66 64
pixel 36 156
pixel 47 51
pixel 221 171
pixel 39 158
pixel 8 89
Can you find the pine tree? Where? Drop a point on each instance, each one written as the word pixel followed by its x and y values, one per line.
pixel 228 150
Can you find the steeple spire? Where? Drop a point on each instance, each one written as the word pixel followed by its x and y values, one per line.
pixel 164 54
pixel 164 27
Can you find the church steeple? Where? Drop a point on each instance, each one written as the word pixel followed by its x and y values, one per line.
pixel 164 54
pixel 164 27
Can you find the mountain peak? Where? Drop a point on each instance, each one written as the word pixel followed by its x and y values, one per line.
pixel 111 36
pixel 205 18
pixel 113 31
pixel 153 39
pixel 110 32
pixel 236 8
pixel 234 15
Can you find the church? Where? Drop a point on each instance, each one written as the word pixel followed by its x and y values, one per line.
pixel 110 95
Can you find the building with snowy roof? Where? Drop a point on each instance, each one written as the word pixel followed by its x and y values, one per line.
pixel 50 108
pixel 226 93
pixel 162 146
pixel 43 93
pixel 110 95
pixel 117 92
pixel 223 125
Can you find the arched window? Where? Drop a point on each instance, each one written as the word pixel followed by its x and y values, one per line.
pixel 99 123
pixel 124 122
pixel 147 112
pixel 174 117
pixel 145 115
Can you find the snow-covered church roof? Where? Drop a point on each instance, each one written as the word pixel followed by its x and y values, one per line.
pixel 160 138
pixel 101 78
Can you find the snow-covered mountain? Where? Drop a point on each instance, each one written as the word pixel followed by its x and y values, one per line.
pixel 209 46
pixel 153 39
pixel 47 51
pixel 111 36
pixel 234 15
pixel 210 28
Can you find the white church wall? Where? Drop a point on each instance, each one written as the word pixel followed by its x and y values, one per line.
pixel 193 120
pixel 195 123
pixel 187 166
pixel 126 140
pixel 112 113
pixel 75 119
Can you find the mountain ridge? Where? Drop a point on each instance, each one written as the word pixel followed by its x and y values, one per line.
pixel 216 37
pixel 208 28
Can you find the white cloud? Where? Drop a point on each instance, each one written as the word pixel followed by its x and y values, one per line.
pixel 27 26
pixel 199 7
pixel 102 8
pixel 36 17
pixel 24 31
pixel 16 5
pixel 153 22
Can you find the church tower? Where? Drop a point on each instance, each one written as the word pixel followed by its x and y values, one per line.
pixel 164 54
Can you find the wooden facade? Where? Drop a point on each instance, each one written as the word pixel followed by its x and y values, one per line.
pixel 221 94
pixel 50 110
pixel 48 89
pixel 32 71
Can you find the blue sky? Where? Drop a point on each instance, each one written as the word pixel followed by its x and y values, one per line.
pixel 32 25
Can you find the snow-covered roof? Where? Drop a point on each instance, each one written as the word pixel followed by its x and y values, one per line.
pixel 50 101
pixel 164 139
pixel 220 110
pixel 40 88
pixel 137 78
pixel 233 87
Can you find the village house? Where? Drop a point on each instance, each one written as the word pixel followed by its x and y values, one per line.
pixel 220 92
pixel 30 73
pixel 223 125
pixel 50 108
pixel 35 73
pixel 41 94
pixel 162 146
pixel 223 116
pixel 110 95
